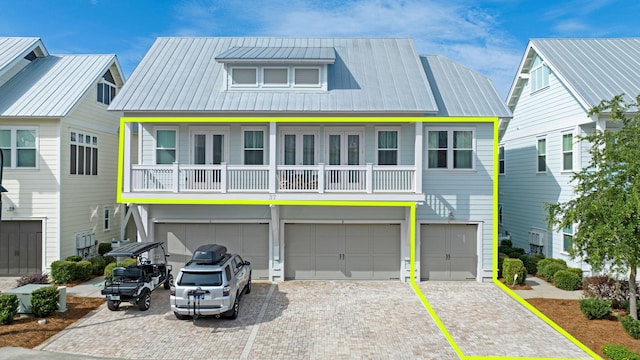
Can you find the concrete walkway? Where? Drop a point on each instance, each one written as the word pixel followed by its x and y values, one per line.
pixel 542 289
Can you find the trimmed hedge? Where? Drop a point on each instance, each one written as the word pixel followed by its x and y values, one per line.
pixel 619 352
pixel 516 252
pixel 606 288
pixel 531 262
pixel 550 270
pixel 506 243
pixel 104 248
pixel 8 308
pixel 501 257
pixel 567 280
pixel 84 270
pixel 74 258
pixel 576 271
pixel 595 309
pixel 62 271
pixel 631 325
pixel 514 271
pixel 44 301
pixel 98 264
pixel 108 270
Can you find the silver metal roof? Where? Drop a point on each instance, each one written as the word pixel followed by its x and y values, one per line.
pixel 52 85
pixel 596 69
pixel 323 55
pixel 16 48
pixel 369 75
pixel 460 91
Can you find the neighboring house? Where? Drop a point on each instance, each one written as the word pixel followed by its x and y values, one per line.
pixel 59 144
pixel 558 81
pixel 307 156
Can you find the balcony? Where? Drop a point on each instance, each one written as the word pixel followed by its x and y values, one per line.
pixel 317 179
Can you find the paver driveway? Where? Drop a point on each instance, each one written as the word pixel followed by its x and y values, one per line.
pixel 326 319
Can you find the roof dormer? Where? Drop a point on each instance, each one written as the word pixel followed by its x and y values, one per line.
pixel 276 68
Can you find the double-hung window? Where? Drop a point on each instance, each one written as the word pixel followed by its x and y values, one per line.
pixel 542 155
pixel 19 147
pixel 253 146
pixel 166 146
pixel 567 238
pixel 567 152
pixel 451 149
pixel 501 160
pixel 83 159
pixel 387 146
pixel 107 219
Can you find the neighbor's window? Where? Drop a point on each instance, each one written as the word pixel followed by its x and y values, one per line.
pixel 83 155
pixel 106 88
pixel 539 76
pixel 542 155
pixel 499 214
pixel 501 160
pixel 387 147
pixel 244 76
pixel 166 141
pixel 306 76
pixel 567 152
pixel 107 219
pixel 567 236
pixel 253 144
pixel 19 147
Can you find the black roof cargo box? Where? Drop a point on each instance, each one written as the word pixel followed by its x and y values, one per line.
pixel 209 254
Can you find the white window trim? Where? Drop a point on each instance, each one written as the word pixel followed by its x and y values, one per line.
pixel 546 156
pixel 573 152
pixel 450 131
pixel 532 75
pixel 562 234
pixel 210 130
pixel 77 143
pixel 155 141
pixel 286 130
pixel 14 148
pixel 236 86
pixel 399 141
pixel 344 131
pixel 503 160
pixel 104 218
pixel 293 78
pixel 265 143
pixel 284 85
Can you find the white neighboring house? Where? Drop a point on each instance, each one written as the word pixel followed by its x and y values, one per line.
pixel 558 81
pixel 60 154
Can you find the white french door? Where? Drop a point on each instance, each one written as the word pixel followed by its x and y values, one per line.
pixel 298 147
pixel 345 148
pixel 208 147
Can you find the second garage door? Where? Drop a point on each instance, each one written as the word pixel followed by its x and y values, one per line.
pixel 251 241
pixel 448 252
pixel 20 247
pixel 342 251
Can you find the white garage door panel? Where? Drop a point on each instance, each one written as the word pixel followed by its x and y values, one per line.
pixel 342 251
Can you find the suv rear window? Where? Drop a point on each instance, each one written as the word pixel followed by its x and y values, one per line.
pixel 201 278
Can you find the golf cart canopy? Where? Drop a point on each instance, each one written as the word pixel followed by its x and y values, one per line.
pixel 134 249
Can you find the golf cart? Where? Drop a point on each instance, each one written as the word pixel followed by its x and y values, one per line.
pixel 134 284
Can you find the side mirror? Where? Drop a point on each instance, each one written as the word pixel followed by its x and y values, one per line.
pixel 246 263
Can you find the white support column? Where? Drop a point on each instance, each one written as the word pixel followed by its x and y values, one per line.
pixel 418 157
pixel 224 175
pixel 140 220
pixel 321 178
pixel 369 178
pixel 126 163
pixel 275 260
pixel 176 177
pixel 273 128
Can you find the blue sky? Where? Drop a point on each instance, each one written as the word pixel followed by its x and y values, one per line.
pixel 488 36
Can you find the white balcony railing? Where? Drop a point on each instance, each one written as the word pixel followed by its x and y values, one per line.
pixel 251 178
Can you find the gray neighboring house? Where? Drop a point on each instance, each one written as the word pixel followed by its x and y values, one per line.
pixel 241 141
pixel 557 82
pixel 59 144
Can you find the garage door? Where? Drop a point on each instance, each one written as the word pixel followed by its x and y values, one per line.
pixel 448 252
pixel 251 241
pixel 20 247
pixel 342 251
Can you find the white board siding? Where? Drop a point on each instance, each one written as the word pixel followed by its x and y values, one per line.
pixel 550 113
pixel 84 197
pixel 467 194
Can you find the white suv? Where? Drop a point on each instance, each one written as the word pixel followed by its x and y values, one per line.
pixel 210 284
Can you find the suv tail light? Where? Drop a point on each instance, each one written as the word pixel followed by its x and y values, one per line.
pixel 226 291
pixel 173 291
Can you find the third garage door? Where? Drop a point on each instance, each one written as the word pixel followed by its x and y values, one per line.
pixel 342 251
pixel 448 252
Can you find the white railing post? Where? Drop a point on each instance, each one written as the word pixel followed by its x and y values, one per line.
pixel 223 177
pixel 176 177
pixel 369 177
pixel 126 170
pixel 321 178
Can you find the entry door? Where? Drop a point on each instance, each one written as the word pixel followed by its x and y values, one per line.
pixel 298 148
pixel 345 148
pixel 448 252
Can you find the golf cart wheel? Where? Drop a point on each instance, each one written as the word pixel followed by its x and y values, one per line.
pixel 181 317
pixel 145 300
pixel 168 282
pixel 233 313
pixel 113 305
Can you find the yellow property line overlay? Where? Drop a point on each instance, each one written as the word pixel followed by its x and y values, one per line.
pixel 411 205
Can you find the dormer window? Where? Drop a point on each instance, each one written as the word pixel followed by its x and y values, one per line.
pixel 106 88
pixel 306 76
pixel 539 78
pixel 275 76
pixel 244 76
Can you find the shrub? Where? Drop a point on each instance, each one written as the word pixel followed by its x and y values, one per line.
pixel 63 271
pixel 8 308
pixel 567 280
pixel 504 249
pixel 626 306
pixel 44 301
pixel 606 288
pixel 98 264
pixel 511 268
pixel 530 263
pixel 109 259
pixel 108 270
pixel 547 261
pixel 506 243
pixel 631 325
pixel 619 352
pixel 104 248
pixel 550 270
pixel 595 309
pixel 34 278
pixel 576 271
pixel 74 258
pixel 84 270
pixel 515 253
pixel 501 257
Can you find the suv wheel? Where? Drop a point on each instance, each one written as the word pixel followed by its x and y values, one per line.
pixel 145 300
pixel 181 317
pixel 233 313
pixel 113 305
pixel 247 288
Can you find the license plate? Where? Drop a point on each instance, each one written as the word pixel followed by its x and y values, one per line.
pixel 113 297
